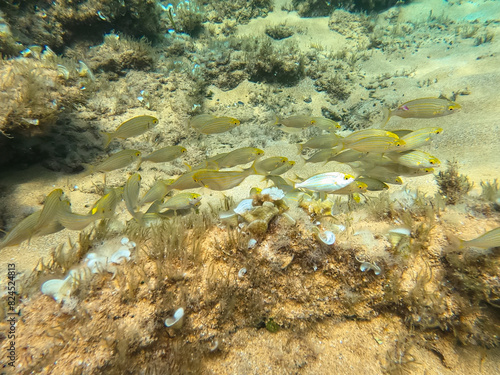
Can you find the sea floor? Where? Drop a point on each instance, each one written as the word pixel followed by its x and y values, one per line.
pixel 380 342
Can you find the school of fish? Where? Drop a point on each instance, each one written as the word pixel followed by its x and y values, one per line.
pixel 377 158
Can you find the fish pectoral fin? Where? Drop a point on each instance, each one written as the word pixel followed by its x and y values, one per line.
pixel 387 116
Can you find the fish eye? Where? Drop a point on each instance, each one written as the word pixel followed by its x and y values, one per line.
pixel 184 150
pixel 451 108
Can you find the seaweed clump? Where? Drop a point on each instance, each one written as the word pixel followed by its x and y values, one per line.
pixel 278 32
pixel 119 53
pixel 239 10
pixel 452 185
pixel 268 63
pixel 185 16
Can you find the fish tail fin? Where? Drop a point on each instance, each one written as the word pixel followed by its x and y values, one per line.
pixel 140 160
pixel 253 170
pixel 387 115
pixel 88 169
pixel 138 216
pixel 108 138
pixel 455 242
pixel 188 166
pixel 276 120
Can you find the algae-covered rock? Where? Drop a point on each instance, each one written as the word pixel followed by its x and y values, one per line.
pixel 8 44
pixel 241 10
pixel 119 53
pixel 33 93
pixel 259 218
pixel 59 22
pixel 317 8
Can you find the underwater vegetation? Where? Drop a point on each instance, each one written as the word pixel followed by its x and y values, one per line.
pixel 317 8
pixel 178 294
pixel 58 23
pixel 165 282
pixel 452 185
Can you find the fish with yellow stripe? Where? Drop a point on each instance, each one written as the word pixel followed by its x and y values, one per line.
pixel 424 108
pixel 221 180
pixel 209 124
pixel 131 128
pixel 487 240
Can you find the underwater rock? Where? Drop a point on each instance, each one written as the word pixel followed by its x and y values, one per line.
pixel 240 10
pixel 8 45
pixel 119 53
pixel 259 218
pixel 318 8
pixel 61 22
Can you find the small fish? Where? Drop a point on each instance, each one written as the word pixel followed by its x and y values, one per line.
pixel 131 193
pixel 353 188
pixel 283 169
pixel 414 159
pixel 25 230
pixel 74 221
pixel 116 161
pixel 239 156
pixel 208 124
pixel 298 121
pixel 131 128
pixel 325 124
pixel 280 182
pixel 380 173
pixel 373 184
pixel 49 210
pixel 347 156
pixel 414 172
pixel 419 138
pixel 396 169
pixel 221 180
pixel 210 163
pixel 265 166
pixel 164 154
pixel 181 201
pixel 185 181
pixel 321 142
pixel 106 205
pixel 322 155
pixel 377 144
pixel 326 182
pixel 424 108
pixel 485 241
pixel 159 189
pixel 365 133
